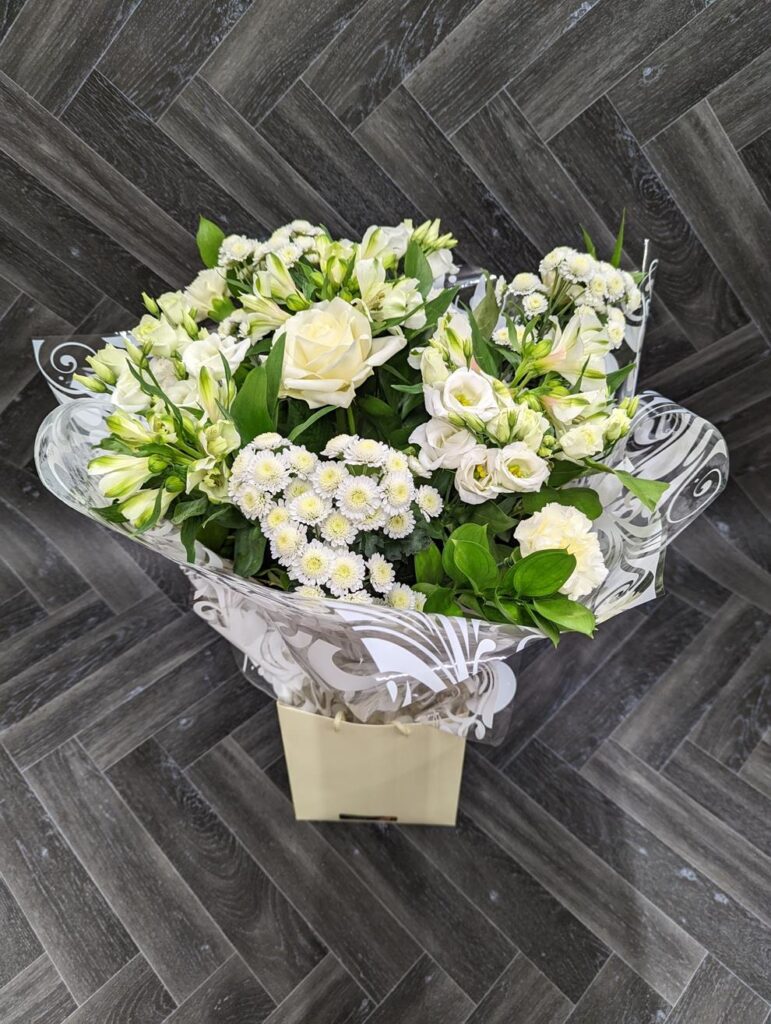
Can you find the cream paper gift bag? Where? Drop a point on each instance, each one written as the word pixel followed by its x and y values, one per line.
pixel 344 771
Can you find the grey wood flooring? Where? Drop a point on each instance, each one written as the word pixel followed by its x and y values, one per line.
pixel 612 858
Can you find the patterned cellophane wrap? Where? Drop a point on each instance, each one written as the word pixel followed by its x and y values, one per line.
pixel 379 665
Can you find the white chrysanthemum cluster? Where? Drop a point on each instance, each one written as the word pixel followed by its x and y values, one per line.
pixel 289 242
pixel 312 510
pixel 591 282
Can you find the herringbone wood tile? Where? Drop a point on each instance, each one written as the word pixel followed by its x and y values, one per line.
pixel 611 856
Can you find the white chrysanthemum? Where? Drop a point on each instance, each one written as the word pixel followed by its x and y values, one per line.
pixel 396 462
pixel 501 337
pixel 401 597
pixel 358 497
pixel 337 444
pixel 578 266
pixel 597 286
pixel 242 465
pixel 313 565
pixel 327 477
pixel 534 304
pixel 268 472
pixel 305 242
pixel 295 488
pixel 400 525
pixel 269 440
pixel 274 518
pixel 235 249
pixel 615 333
pixel 360 597
pixel 381 574
pixel 633 299
pixel 420 600
pixel 303 227
pixel 287 544
pixel 301 461
pixel 289 254
pixel 312 593
pixel 364 451
pixel 398 490
pixel 429 501
pixel 561 526
pixel 522 284
pixel 553 259
pixel 346 573
pixel 309 508
pixel 416 467
pixel 615 284
pixel 251 501
pixel 374 521
pixel 338 530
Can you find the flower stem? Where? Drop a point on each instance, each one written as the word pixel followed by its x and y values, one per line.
pixel 351 420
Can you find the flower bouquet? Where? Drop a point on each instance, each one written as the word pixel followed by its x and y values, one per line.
pixel 382 487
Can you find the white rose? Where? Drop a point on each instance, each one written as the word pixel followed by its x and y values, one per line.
pixel 560 526
pixel 127 394
pixel 202 292
pixel 330 351
pixel 465 393
pixel 517 468
pixel 441 444
pixel 209 352
pixel 381 243
pixel 584 439
pixel 474 476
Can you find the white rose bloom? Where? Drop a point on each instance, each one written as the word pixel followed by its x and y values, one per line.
pixel 202 292
pixel 442 445
pixel 517 468
pixel 383 242
pixel 127 394
pixel 474 476
pixel 465 393
pixel 330 351
pixel 209 352
pixel 584 439
pixel 560 526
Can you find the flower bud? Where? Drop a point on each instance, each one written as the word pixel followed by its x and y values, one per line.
pixel 174 484
pixel 540 349
pixel 90 383
pixel 157 463
pixel 128 428
pixel 151 305
pixel 190 326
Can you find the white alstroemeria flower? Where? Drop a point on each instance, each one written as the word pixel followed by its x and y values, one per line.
pixel 571 354
pixel 584 439
pixel 208 286
pixel 516 468
pixel 329 351
pixel 387 244
pixel 275 282
pixel 210 352
pixel 474 480
pixel 442 445
pixel 219 439
pixel 370 276
pixel 121 475
pixel 401 298
pixel 565 409
pixel 452 338
pixel 441 264
pixel 561 526
pixel 140 507
pixel 467 394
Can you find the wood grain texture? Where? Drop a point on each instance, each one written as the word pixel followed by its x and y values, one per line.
pixel 263 927
pixel 741 103
pixel 522 995
pixel 425 993
pixel 68 913
pixel 262 819
pixel 231 995
pixel 18 944
pixel 133 994
pixel 757 768
pixel 715 995
pixel 181 943
pixel 618 994
pixel 36 996
pixel 327 995
pixel 715 191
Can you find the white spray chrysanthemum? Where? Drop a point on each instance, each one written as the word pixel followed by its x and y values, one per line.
pixel 402 597
pixel 269 472
pixel 313 564
pixel 381 573
pixel 429 501
pixel 400 525
pixel 309 508
pixel 301 461
pixel 358 497
pixel 287 544
pixel 338 529
pixel 346 573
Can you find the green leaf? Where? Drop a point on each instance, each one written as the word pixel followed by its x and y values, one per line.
pixel 110 513
pixel 583 498
pixel 428 565
pixel 221 308
pixel 487 312
pixel 184 509
pixel 618 248
pixel 473 534
pixel 250 406
pixel 416 265
pixel 565 471
pixel 476 564
pixel 510 610
pixel 648 491
pixel 408 389
pixel 485 354
pixel 543 572
pixel 249 551
pixel 441 602
pixel 438 305
pixel 302 427
pixel 546 627
pixel 228 516
pixel 209 238
pixel 188 533
pixel 590 246
pixel 617 377
pixel 566 614
pixel 492 515
pixel 274 364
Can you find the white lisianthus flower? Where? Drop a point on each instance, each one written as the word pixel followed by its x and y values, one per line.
pixel 616 425
pixel 127 394
pixel 329 351
pixel 174 306
pixel 560 526
pixel 388 244
pixel 529 426
pixel 584 439
pixel 534 304
pixel 474 476
pixel 399 525
pixel 433 367
pixel 159 336
pixel 466 393
pixel 402 298
pixel 517 468
pixel 201 294
pixel 441 444
pixel 210 352
pixel 381 574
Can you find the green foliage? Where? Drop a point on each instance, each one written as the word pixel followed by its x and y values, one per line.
pixel 583 498
pixel 487 312
pixel 565 613
pixel 588 243
pixel 618 248
pixel 416 265
pixel 254 408
pixel 617 377
pixel 543 572
pixel 428 565
pixel 249 551
pixel 209 238
pixel 649 492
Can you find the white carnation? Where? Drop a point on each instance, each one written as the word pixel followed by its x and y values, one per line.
pixel 561 526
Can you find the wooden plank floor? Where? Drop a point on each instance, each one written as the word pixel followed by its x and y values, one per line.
pixel 612 860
